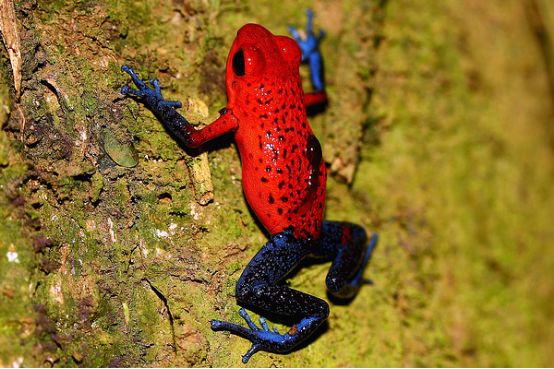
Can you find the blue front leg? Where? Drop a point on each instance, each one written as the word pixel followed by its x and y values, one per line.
pixel 261 287
pixel 163 109
pixel 310 51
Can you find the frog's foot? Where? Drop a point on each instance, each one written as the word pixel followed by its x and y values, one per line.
pixel 359 277
pixel 308 43
pixel 346 245
pixel 265 339
pixel 307 40
pixel 347 289
pixel 151 97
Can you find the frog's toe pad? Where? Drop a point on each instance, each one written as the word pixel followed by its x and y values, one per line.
pixel 126 90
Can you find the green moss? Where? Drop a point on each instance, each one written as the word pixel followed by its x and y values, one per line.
pixel 456 226
pixel 16 318
pixel 16 257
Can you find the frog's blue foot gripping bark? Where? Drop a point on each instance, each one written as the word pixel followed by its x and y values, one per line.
pixel 151 97
pixel 309 46
pixel 265 339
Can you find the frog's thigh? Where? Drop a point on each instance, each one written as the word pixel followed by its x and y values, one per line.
pixel 259 285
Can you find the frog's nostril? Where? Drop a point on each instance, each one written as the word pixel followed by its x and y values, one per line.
pixel 238 63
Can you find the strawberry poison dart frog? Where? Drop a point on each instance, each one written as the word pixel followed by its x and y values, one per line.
pixel 283 177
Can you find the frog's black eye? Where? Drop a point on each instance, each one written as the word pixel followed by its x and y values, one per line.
pixel 238 63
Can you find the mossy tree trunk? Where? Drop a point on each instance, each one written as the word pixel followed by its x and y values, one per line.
pixel 117 247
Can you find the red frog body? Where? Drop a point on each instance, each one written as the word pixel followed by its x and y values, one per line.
pixel 283 177
pixel 283 174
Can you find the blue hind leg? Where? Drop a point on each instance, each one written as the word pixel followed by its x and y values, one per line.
pixel 347 246
pixel 261 287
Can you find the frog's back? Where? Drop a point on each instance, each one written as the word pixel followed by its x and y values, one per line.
pixel 283 173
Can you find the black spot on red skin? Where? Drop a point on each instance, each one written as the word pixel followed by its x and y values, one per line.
pixel 271 199
pixel 264 180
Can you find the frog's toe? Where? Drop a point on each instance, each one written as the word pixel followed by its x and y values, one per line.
pixel 171 104
pixel 359 277
pixel 264 325
pixel 244 314
pixel 310 20
pixel 294 33
pixel 138 82
pixel 157 89
pixel 126 90
pixel 255 348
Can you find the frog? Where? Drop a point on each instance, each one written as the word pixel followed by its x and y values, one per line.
pixel 283 179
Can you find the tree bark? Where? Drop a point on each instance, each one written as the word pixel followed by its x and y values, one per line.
pixel 117 247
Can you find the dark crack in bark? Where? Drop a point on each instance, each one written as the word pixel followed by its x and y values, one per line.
pixel 169 314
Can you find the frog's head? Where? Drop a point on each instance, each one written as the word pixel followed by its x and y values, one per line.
pixel 258 55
